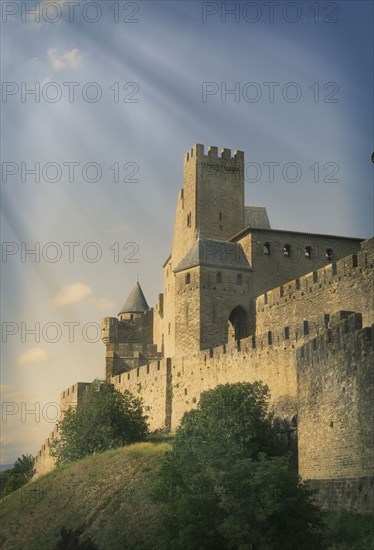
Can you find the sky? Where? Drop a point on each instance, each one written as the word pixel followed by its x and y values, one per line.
pixel 100 101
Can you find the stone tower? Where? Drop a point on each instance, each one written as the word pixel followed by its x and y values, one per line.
pixel 211 202
pixel 129 339
pixel 209 270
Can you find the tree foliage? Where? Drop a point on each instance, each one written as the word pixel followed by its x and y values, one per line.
pixel 105 419
pixel 228 484
pixel 19 475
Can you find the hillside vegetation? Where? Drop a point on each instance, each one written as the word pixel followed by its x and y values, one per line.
pixel 107 494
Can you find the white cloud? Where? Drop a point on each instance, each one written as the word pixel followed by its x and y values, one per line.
pixel 32 356
pixel 71 58
pixel 71 294
pixel 103 304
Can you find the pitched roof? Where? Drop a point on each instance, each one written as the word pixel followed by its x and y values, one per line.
pixel 136 302
pixel 215 253
pixel 256 217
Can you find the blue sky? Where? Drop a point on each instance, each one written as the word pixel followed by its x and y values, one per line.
pixel 163 60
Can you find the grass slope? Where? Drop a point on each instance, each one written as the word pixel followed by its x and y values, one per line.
pixel 107 493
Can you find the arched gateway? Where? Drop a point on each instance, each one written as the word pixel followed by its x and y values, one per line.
pixel 238 324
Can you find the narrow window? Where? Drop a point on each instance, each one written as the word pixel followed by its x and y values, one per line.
pixel 238 279
pixel 286 333
pixel 169 328
pixel 220 216
pixel 189 219
pixel 329 254
pixel 267 249
pixel 219 277
pixel 308 252
pixel 188 279
pixel 287 251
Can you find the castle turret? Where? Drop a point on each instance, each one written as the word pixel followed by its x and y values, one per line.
pixel 135 305
pixel 129 339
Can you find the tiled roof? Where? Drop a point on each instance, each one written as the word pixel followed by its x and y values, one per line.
pixel 136 302
pixel 211 252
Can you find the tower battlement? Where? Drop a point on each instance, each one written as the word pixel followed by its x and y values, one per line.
pixel 198 151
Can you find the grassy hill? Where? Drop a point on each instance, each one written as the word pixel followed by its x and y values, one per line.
pixel 107 493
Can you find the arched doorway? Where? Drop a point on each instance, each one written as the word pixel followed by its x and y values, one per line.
pixel 238 324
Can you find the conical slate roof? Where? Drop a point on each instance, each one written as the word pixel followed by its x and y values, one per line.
pixel 136 302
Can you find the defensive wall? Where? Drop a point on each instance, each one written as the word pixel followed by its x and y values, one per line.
pixel 70 397
pixel 335 382
pixel 346 284
pixel 317 361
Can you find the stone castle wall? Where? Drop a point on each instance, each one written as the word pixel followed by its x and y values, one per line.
pixel 275 268
pixel 346 284
pixel 152 383
pixel 315 369
pixel 44 462
pixel 335 382
pixel 71 397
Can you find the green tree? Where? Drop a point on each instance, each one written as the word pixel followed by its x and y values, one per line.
pixel 105 419
pixel 228 484
pixel 19 475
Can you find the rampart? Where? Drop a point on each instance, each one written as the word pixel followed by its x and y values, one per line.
pixel 71 397
pixel 347 284
pixel 335 381
pixel 316 360
pixel 44 462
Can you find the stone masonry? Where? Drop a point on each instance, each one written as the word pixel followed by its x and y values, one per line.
pixel 244 302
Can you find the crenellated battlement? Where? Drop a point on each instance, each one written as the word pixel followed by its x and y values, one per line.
pixel 317 290
pixel 349 324
pixel 300 336
pixel 72 396
pixel 43 461
pixel 198 151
